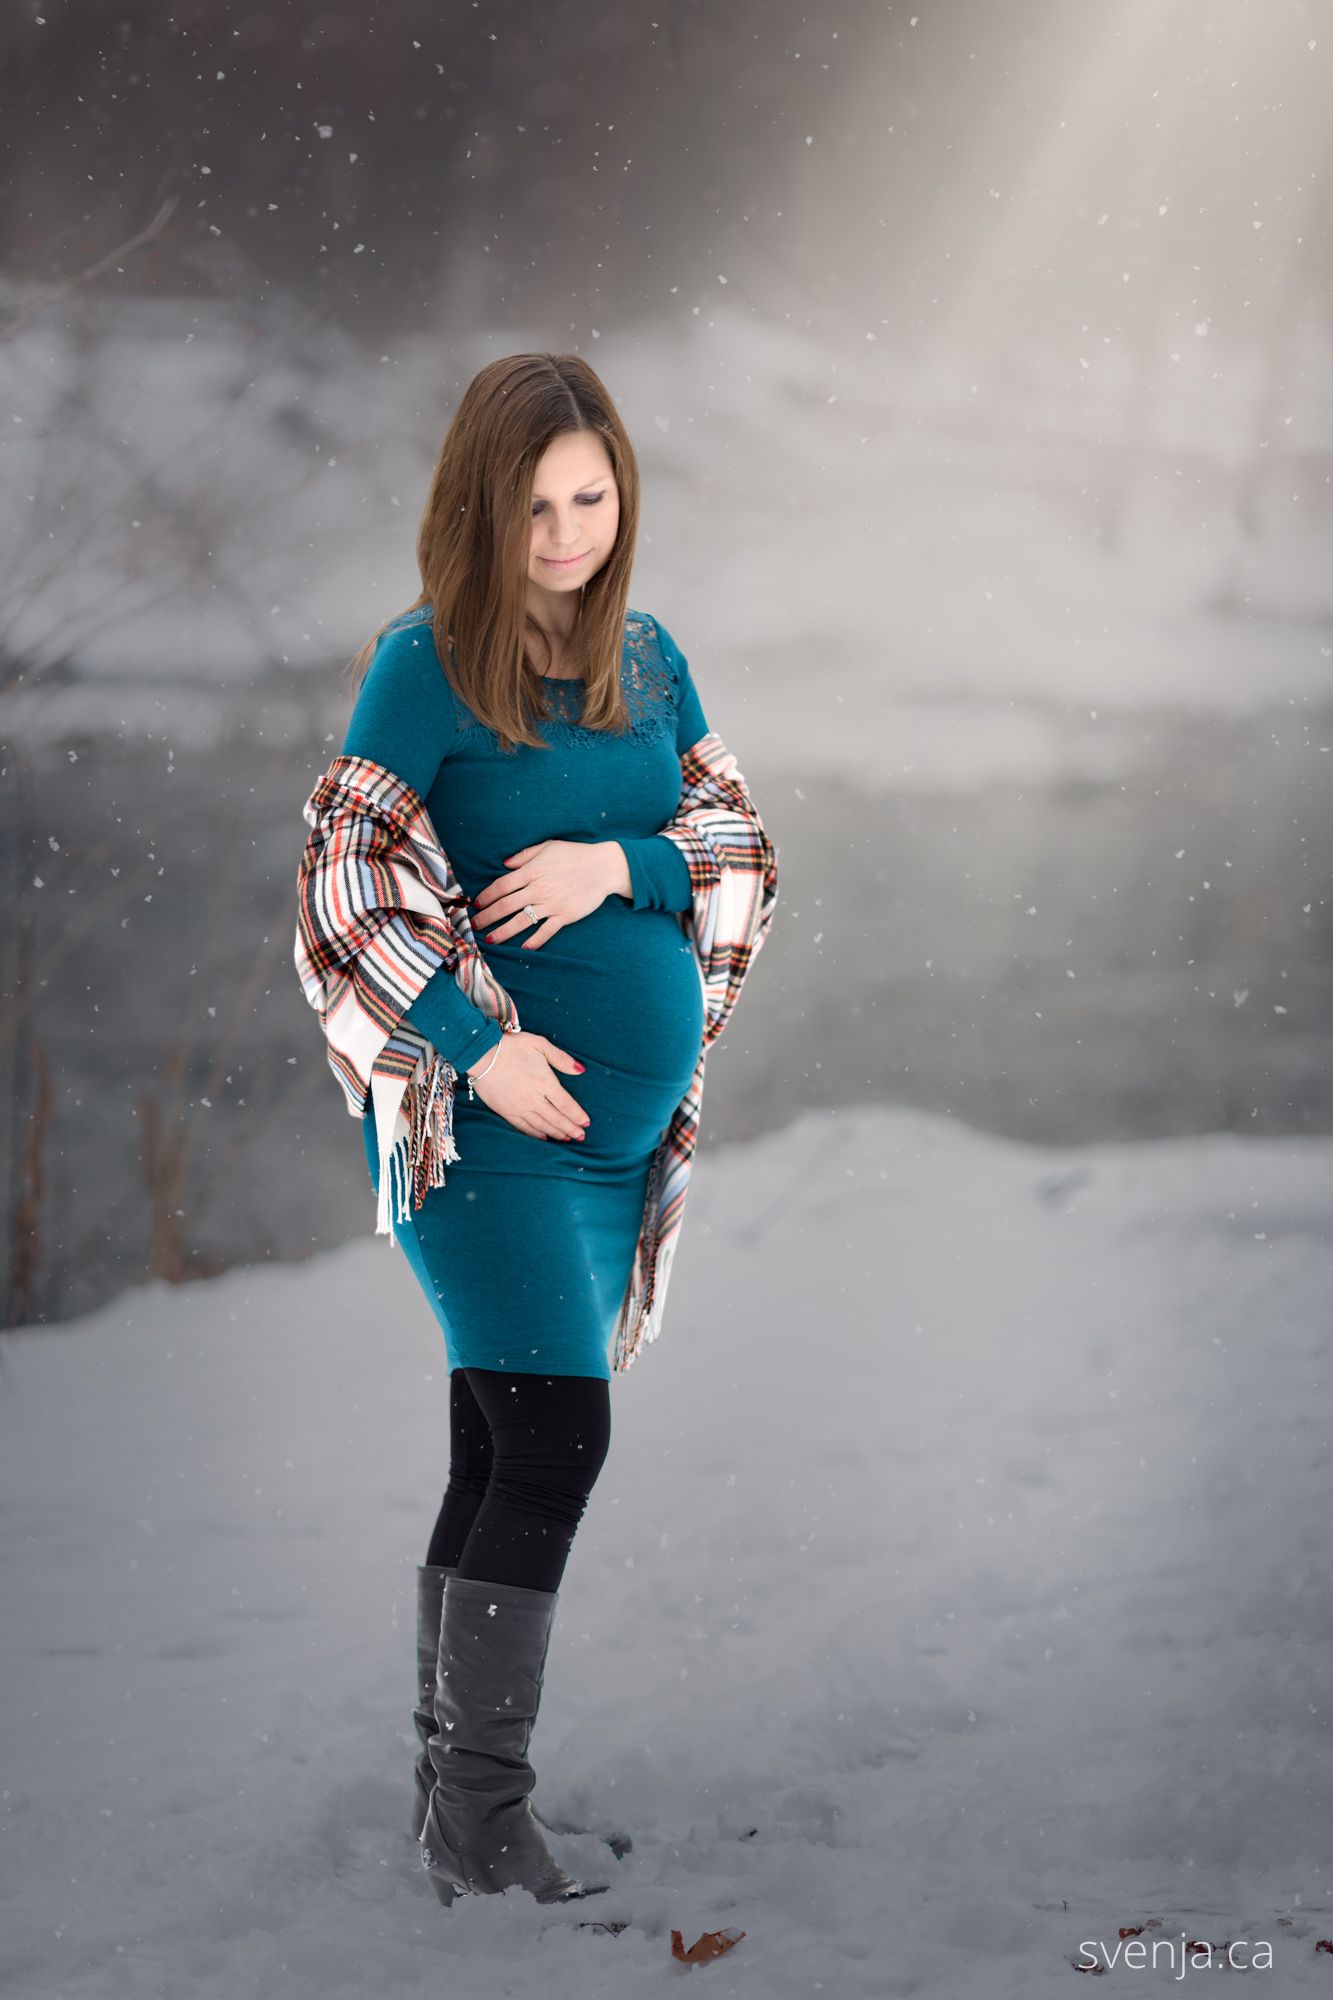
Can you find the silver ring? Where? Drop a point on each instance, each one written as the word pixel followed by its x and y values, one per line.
pixel 531 914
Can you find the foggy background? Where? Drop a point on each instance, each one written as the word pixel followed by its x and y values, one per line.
pixel 977 357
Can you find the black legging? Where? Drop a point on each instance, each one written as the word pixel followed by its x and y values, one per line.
pixel 524 1452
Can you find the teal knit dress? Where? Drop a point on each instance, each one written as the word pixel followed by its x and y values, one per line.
pixel 525 1253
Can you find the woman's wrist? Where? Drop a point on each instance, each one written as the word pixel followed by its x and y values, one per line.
pixel 485 1059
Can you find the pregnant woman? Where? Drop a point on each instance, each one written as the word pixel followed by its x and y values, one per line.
pixel 542 722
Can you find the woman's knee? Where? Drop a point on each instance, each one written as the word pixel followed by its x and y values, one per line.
pixel 549 1434
pixel 583 1443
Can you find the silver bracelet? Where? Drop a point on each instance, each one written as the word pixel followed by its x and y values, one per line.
pixel 481 1072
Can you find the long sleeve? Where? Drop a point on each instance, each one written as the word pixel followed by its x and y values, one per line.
pixel 659 874
pixel 658 871
pixel 460 1032
pixel 404 714
pixel 404 718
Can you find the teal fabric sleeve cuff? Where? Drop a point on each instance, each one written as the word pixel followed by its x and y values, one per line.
pixel 460 1032
pixel 659 874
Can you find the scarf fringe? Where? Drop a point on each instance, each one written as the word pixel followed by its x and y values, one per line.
pixel 645 1296
pixel 641 1315
pixel 422 1146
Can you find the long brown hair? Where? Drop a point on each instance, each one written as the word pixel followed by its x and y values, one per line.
pixel 476 533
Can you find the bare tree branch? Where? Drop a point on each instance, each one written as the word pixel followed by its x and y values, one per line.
pixel 48 293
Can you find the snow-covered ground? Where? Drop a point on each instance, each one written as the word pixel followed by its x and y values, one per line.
pixel 965 1535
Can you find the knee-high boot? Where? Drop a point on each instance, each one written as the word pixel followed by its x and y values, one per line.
pixel 480 1836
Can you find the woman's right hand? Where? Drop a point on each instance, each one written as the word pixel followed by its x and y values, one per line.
pixel 521 1084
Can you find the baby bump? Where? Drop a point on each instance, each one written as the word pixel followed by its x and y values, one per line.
pixel 619 990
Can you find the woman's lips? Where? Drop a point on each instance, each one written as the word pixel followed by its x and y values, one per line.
pixel 566 562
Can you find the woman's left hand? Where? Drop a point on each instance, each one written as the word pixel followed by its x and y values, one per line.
pixel 562 879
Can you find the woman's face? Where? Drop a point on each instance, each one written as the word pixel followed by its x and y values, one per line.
pixel 575 513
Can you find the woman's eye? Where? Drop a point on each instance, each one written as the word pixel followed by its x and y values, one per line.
pixel 584 499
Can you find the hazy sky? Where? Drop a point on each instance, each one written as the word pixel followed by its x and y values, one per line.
pixel 945 175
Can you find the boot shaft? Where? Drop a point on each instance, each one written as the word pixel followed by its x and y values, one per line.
pixel 479 1832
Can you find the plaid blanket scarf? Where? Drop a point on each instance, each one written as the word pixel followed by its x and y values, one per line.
pixel 379 910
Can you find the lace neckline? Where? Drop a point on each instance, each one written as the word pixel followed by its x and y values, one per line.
pixel 648 680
